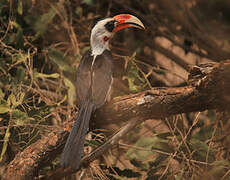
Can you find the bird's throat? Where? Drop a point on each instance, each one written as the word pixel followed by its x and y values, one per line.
pixel 98 45
pixel 99 48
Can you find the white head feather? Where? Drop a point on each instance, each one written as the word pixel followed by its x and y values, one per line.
pixel 98 35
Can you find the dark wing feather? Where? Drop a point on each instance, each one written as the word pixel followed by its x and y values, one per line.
pixel 83 79
pixel 102 78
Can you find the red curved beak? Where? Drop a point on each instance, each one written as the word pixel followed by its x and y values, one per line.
pixel 126 20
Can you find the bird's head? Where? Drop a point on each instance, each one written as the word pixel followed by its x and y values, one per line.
pixel 104 30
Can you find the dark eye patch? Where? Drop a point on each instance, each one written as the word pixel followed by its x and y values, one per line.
pixel 110 25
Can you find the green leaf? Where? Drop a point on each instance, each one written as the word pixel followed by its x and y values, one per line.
pixel 89 2
pixel 147 143
pixel 85 49
pixel 13 101
pixel 220 168
pixel 18 38
pixel 41 75
pixel 21 98
pixel 20 7
pixel 133 76
pixel 41 25
pixel 20 118
pixel 5 142
pixel 1 94
pixel 71 91
pixel 4 109
pixel 135 81
pixel 60 59
pixel 20 74
pixel 20 57
pixel 79 11
pixel 204 133
pixel 92 143
pixel 221 165
pixel 201 149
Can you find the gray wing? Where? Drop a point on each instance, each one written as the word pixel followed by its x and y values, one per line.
pixel 83 79
pixel 102 73
pixel 102 78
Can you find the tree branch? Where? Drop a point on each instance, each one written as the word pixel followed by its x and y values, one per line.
pixel 208 88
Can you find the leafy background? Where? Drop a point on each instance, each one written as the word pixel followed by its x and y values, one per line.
pixel 41 44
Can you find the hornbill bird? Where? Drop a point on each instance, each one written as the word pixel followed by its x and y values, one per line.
pixel 94 80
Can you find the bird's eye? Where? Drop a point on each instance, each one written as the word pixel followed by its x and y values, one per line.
pixel 110 26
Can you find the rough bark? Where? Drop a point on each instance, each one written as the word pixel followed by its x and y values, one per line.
pixel 209 88
pixel 27 164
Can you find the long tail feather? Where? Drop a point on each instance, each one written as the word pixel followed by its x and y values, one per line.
pixel 74 146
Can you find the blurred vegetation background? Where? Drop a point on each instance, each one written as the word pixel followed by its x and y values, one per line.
pixel 41 44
